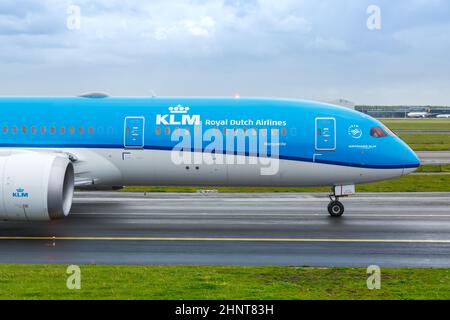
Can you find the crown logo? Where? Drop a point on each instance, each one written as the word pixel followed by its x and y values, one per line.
pixel 20 190
pixel 178 109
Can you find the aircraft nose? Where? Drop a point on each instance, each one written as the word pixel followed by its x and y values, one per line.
pixel 410 161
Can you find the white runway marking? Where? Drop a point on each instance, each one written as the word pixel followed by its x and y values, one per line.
pixel 306 199
pixel 259 214
pixel 68 238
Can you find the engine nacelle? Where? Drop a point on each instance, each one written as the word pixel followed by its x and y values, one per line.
pixel 35 186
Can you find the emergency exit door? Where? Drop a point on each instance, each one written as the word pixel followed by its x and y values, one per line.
pixel 325 134
pixel 134 132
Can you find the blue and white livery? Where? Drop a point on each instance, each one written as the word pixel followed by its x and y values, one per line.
pixel 48 146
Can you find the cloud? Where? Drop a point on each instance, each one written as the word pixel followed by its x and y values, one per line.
pixel 30 17
pixel 203 27
pixel 327 45
pixel 299 48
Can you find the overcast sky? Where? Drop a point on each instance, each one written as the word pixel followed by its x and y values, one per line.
pixel 312 49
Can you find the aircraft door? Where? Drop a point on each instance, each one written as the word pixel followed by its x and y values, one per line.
pixel 134 133
pixel 325 137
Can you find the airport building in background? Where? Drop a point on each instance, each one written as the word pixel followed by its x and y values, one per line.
pixel 401 111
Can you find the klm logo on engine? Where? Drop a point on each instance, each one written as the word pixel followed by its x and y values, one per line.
pixel 20 193
pixel 178 116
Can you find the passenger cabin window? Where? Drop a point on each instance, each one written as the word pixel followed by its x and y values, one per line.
pixel 36 129
pixel 377 132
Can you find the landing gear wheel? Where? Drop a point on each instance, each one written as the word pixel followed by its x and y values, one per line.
pixel 336 209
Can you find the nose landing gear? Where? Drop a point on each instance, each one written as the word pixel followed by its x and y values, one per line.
pixel 335 207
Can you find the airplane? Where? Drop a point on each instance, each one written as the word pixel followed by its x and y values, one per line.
pixel 51 145
pixel 418 114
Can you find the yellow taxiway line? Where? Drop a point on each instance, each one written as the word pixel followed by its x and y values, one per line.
pixel 73 238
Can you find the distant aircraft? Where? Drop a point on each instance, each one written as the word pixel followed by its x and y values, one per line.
pixel 443 116
pixel 49 146
pixel 418 114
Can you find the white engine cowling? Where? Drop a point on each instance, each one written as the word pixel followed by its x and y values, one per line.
pixel 35 186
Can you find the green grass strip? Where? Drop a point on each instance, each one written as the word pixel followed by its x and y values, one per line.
pixel 427 142
pixel 198 282
pixel 410 183
pixel 417 124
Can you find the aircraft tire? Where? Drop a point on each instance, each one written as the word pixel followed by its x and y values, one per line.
pixel 335 209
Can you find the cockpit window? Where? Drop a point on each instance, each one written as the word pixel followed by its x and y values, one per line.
pixel 377 132
pixel 389 131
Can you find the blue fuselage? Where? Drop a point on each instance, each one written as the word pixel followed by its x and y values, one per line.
pixel 304 131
